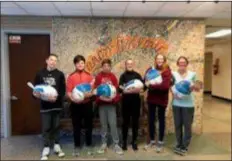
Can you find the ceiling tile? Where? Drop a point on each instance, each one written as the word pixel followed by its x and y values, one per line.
pixel 207 9
pixel 107 13
pixel 144 6
pixel 200 14
pixel 175 9
pixel 210 6
pixel 203 1
pixel 179 6
pixel 150 1
pixel 8 4
pixel 75 13
pixel 39 5
pixel 136 13
pixel 35 1
pixel 49 12
pixel 168 14
pixel 109 5
pixel 12 11
pixel 226 6
pixel 73 5
pixel 105 1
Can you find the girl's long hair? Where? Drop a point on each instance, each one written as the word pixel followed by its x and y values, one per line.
pixel 164 66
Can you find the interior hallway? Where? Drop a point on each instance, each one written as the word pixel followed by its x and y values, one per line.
pixel 213 144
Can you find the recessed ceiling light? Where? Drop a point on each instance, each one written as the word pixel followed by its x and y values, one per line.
pixel 219 33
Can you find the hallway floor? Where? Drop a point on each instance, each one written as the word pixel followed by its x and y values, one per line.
pixel 213 144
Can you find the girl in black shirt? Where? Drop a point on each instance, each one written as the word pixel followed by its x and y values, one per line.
pixel 130 104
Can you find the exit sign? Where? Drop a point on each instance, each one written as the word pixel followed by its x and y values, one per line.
pixel 15 39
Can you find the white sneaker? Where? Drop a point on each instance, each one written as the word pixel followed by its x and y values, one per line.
pixel 118 149
pixel 44 158
pixel 58 150
pixel 150 145
pixel 76 152
pixel 45 153
pixel 160 146
pixel 89 151
pixel 102 149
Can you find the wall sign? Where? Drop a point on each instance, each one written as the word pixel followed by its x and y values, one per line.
pixel 15 39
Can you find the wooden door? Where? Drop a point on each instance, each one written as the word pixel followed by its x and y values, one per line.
pixel 27 54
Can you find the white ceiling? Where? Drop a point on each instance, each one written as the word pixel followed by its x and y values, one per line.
pixel 119 9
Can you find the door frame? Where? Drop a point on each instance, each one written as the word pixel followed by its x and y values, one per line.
pixel 5 75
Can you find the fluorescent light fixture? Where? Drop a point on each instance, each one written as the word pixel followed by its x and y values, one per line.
pixel 219 33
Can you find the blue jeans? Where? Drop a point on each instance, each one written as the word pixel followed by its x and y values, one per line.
pixel 152 108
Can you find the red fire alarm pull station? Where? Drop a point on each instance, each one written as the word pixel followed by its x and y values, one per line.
pixel 216 67
pixel 15 39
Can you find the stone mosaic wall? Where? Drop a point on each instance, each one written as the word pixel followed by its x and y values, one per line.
pixel 138 39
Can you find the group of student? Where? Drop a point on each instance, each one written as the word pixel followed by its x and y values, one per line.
pixel 157 100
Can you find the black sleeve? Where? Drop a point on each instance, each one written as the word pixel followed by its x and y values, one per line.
pixel 121 83
pixel 62 86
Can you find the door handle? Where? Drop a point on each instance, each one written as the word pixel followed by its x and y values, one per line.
pixel 14 98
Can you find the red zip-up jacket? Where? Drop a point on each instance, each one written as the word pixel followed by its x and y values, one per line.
pixel 76 78
pixel 158 94
pixel 107 78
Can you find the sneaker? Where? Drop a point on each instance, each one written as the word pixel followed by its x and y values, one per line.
pixel 118 149
pixel 160 146
pixel 58 150
pixel 177 150
pixel 45 153
pixel 150 145
pixel 76 152
pixel 44 158
pixel 102 149
pixel 89 151
pixel 184 151
pixel 134 146
pixel 124 146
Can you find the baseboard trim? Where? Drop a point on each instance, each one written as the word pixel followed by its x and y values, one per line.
pixel 222 98
pixel 207 92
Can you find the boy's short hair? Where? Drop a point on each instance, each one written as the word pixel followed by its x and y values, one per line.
pixel 52 54
pixel 106 61
pixel 78 58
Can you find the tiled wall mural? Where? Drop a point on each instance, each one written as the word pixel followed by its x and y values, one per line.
pixel 141 40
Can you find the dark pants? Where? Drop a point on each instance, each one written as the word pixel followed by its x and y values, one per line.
pixel 130 110
pixel 50 127
pixel 152 108
pixel 183 118
pixel 81 112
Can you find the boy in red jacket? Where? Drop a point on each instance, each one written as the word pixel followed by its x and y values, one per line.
pixel 80 110
pixel 107 108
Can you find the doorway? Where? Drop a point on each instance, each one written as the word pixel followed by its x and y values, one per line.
pixel 208 72
pixel 27 54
